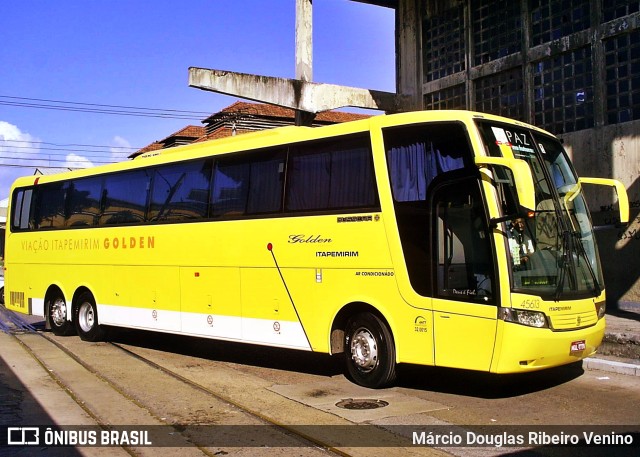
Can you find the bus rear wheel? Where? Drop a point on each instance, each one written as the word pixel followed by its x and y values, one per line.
pixel 86 318
pixel 369 351
pixel 57 315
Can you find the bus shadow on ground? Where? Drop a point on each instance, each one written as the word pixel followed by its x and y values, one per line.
pixel 231 352
pixel 485 385
pixel 631 315
pixel 435 379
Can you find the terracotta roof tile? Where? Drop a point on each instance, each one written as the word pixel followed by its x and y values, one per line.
pixel 152 147
pixel 263 109
pixel 190 131
pixel 198 133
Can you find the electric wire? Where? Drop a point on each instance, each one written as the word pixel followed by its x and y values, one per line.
pixel 96 108
pixel 108 154
pixel 46 159
pixel 28 150
pixel 67 145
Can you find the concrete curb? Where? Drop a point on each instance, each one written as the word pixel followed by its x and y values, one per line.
pixel 611 366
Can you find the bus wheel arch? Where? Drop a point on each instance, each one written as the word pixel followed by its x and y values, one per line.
pixel 85 316
pixel 364 336
pixel 57 312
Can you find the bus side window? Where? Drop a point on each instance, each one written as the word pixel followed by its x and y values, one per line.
pixel 49 211
pixel 180 191
pixel 229 189
pixel 266 185
pixel 464 266
pixel 331 175
pixel 125 197
pixel 83 202
pixel 21 209
pixel 250 184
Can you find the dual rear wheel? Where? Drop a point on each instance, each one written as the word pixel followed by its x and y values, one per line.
pixel 85 317
pixel 369 347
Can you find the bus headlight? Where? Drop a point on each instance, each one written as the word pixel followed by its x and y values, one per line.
pixel 601 309
pixel 522 317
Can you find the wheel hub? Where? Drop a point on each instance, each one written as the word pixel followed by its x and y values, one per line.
pixel 364 350
pixel 59 312
pixel 86 318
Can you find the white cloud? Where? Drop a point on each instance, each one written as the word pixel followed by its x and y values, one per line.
pixel 120 148
pixel 19 152
pixel 13 139
pixel 20 155
pixel 77 161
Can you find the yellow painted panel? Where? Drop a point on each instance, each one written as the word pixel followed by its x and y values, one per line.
pixel 544 348
pixel 210 290
pixel 463 341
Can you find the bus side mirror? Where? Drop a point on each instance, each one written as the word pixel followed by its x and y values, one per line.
pixel 621 191
pixel 521 175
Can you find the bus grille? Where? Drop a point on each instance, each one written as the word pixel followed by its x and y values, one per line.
pixel 17 299
pixel 574 321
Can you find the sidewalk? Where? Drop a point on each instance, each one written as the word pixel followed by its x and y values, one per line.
pixel 620 349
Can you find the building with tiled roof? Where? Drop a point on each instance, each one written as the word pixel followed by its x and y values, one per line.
pixel 183 136
pixel 156 145
pixel 243 117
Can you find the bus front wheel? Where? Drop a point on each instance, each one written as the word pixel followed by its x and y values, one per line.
pixel 86 318
pixel 57 315
pixel 369 351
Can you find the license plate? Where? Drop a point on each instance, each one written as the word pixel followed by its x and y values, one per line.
pixel 578 346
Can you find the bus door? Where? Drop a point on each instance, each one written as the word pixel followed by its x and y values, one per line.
pixel 464 309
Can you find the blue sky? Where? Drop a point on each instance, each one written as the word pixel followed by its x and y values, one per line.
pixel 136 53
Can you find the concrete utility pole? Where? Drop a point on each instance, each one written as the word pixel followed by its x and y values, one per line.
pixel 304 52
pixel 304 40
pixel 301 94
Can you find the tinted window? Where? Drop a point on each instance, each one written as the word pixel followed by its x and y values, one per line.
pixel 229 190
pixel 83 202
pixel 49 208
pixel 331 175
pixel 417 154
pixel 266 182
pixel 248 185
pixel 181 191
pixel 125 197
pixel 21 208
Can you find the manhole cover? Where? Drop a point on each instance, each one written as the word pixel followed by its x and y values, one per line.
pixel 361 403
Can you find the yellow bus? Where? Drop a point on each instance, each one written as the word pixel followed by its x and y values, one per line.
pixel 444 238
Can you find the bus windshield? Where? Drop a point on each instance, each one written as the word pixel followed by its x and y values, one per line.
pixel 552 250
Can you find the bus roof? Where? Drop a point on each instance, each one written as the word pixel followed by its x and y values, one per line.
pixel 268 138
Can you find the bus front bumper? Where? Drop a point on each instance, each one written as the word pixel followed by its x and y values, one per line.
pixel 529 349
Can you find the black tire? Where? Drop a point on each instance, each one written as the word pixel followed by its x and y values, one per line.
pixel 2 295
pixel 57 315
pixel 370 352
pixel 85 317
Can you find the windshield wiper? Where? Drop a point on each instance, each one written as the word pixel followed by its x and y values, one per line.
pixel 572 242
pixel 583 253
pixel 574 238
pixel 563 262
